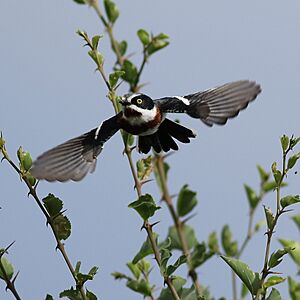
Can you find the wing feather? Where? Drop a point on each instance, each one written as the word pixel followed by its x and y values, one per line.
pixel 75 158
pixel 214 106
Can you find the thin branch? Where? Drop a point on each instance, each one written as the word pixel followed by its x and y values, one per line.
pixel 279 211
pixel 10 284
pixel 109 29
pixel 178 224
pixel 60 246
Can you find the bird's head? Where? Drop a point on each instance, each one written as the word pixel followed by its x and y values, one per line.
pixel 137 102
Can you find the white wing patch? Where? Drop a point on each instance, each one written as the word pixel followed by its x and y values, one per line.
pixel 97 131
pixel 184 100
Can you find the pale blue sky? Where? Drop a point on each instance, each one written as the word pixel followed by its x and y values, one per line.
pixel 49 93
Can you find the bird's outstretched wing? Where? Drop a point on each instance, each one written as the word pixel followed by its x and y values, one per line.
pixel 73 159
pixel 213 106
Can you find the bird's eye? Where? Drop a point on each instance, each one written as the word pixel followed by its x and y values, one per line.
pixel 139 101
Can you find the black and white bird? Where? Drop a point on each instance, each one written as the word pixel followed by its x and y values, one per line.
pixel 146 118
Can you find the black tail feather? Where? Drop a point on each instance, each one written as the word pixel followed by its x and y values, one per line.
pixel 179 132
pixel 163 138
pixel 166 141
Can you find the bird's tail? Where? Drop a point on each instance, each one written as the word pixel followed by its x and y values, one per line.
pixel 162 140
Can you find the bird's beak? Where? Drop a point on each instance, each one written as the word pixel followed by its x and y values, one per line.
pixel 124 101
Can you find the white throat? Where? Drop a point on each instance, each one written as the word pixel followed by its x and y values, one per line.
pixel 146 116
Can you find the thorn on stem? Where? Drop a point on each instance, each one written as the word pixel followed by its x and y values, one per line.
pixel 188 218
pixel 155 223
pixel 14 279
pixel 145 181
pixel 6 249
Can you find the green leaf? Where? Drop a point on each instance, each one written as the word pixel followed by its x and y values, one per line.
pixel 276 173
pixel 130 72
pixel 145 250
pixel 95 41
pixel 188 233
pixel 156 44
pixel 122 46
pixel 274 295
pixel 271 186
pixel 190 294
pixel 172 268
pixel 157 177
pixel 284 142
pixel 119 275
pixel 71 294
pixel 144 266
pixel 269 217
pixel 264 175
pixel 296 219
pixel 186 201
pixel 230 246
pixel 144 168
pixel 276 257
pixel 81 277
pixel 31 180
pixel 8 268
pixel 294 142
pixel 53 205
pixel 61 223
pixel 49 297
pixel 140 286
pixel 145 206
pixel 135 270
pixel 294 289
pixel 289 200
pixel 24 159
pixel 111 10
pixel 97 57
pixel 90 295
pixel 93 271
pixel 258 225
pixel 273 280
pixel 161 36
pixel 242 270
pixel 244 291
pixel 292 160
pixel 77 267
pixel 62 226
pixel 165 255
pixel 295 252
pixel 178 283
pixel 198 255
pixel 144 36
pixel 79 1
pixel 213 243
pixel 114 77
pixel 253 199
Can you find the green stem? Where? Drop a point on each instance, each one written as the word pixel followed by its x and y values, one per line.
pixel 9 284
pixel 178 224
pixel 270 232
pixel 108 26
pixel 60 246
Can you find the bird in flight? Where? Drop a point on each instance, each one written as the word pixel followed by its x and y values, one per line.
pixel 146 118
